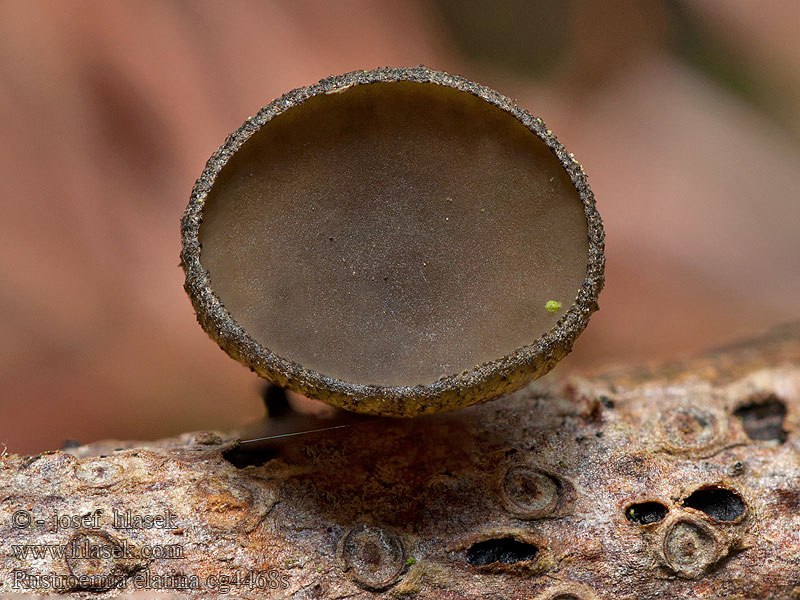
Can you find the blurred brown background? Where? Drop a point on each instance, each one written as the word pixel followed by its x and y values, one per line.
pixel 685 114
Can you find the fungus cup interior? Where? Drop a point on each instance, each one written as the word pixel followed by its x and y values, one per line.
pixel 394 233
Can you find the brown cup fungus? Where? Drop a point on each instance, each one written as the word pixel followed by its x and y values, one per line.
pixel 394 242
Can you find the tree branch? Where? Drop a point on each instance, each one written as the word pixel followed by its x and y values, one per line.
pixel 677 481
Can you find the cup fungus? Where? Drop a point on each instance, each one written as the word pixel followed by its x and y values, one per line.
pixel 394 242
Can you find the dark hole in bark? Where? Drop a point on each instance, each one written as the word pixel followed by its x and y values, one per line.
pixel 241 457
pixel 27 461
pixel 504 550
pixel 645 513
pixel 607 402
pixel 762 419
pixel 718 503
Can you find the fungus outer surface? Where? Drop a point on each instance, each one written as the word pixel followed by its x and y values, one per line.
pixel 386 241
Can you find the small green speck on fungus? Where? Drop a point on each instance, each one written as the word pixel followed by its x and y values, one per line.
pixel 552 305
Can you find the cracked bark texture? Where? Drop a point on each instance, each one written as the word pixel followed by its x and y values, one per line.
pixel 675 481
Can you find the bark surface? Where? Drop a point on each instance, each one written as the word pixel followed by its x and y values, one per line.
pixel 676 481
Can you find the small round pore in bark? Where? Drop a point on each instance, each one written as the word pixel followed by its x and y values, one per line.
pixel 394 233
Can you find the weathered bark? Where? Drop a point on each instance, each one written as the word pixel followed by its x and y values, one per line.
pixel 681 481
